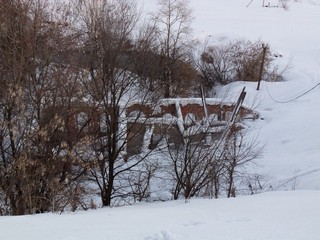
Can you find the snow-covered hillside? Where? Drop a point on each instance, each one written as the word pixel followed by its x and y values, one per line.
pixel 269 216
pixel 291 130
pixel 288 127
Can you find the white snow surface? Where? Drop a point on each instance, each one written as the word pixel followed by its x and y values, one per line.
pixel 290 132
pixel 292 215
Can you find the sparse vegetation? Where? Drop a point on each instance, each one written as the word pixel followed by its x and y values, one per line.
pixel 238 60
pixel 67 76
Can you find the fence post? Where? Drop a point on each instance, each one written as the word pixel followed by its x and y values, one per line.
pixel 264 50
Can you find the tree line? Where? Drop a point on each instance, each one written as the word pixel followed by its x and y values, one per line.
pixel 60 60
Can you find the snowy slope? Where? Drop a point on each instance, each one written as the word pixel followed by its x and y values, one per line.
pixel 270 216
pixel 290 131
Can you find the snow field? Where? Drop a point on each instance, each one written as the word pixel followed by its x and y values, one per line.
pixel 269 216
pixel 290 132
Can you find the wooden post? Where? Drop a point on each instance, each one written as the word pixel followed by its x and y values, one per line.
pixel 206 118
pixel 238 105
pixel 204 103
pixel 264 50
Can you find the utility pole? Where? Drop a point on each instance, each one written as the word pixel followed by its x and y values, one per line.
pixel 264 50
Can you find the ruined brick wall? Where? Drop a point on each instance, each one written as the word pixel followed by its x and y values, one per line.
pixel 146 109
pixel 221 110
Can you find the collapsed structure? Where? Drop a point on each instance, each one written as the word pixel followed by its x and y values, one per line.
pixel 178 119
pixel 146 124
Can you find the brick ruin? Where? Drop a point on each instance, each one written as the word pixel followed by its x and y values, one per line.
pixel 147 124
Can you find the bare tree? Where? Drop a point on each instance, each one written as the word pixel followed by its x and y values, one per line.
pixel 202 162
pixel 173 22
pixel 238 155
pixel 191 168
pixel 111 85
pixel 35 84
pixel 16 32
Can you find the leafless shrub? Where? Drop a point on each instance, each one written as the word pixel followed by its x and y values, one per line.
pixel 238 154
pixel 35 86
pixel 199 170
pixel 238 60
